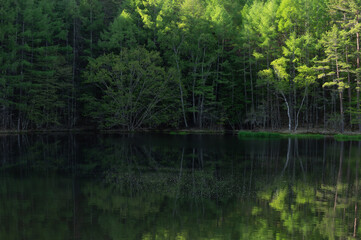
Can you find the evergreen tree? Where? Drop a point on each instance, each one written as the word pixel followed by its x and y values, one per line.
pixel 9 61
pixel 332 41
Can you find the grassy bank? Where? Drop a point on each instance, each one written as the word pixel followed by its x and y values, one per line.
pixel 116 131
pixel 246 134
pixel 193 131
pixel 249 134
pixel 347 137
pixel 46 131
pixel 314 133
pixel 337 137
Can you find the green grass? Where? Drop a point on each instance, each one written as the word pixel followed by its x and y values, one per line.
pixel 344 137
pixel 194 131
pixel 248 134
pixel 178 133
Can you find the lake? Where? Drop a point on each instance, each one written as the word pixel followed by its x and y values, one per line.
pixel 160 186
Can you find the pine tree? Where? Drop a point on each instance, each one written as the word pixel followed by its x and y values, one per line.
pixel 333 41
pixel 9 61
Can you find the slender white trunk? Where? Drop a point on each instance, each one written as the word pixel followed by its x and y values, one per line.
pixel 299 110
pixel 288 112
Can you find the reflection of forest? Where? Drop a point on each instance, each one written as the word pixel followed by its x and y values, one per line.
pixel 178 187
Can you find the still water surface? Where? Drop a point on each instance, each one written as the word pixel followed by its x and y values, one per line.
pixel 154 186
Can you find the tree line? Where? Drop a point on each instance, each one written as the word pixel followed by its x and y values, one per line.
pixel 134 64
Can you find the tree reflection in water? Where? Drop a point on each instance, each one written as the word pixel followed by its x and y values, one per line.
pixel 149 186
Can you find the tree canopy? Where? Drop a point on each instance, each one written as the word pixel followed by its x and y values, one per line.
pixel 214 64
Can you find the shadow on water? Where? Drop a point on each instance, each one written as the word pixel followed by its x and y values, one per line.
pixel 154 186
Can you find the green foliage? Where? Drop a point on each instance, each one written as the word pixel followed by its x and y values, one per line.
pixel 136 90
pixel 345 137
pixel 306 76
pixel 333 42
pixel 247 134
pixel 228 63
pixel 178 133
pixel 122 33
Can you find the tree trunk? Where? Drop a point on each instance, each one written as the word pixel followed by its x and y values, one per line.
pixel 91 32
pixel 251 78
pixel 245 83
pixel 341 99
pixel 288 112
pixel 341 112
pixel 299 110
pixel 200 115
pixel 358 77
pixel 324 108
pixel 349 89
pixel 73 100
pixel 180 86
pixel 193 90
pixel 348 78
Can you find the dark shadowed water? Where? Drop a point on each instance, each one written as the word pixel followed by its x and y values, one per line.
pixel 154 186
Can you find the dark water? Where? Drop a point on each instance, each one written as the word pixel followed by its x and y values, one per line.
pixel 149 186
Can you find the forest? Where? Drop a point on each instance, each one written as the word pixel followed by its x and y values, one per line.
pixel 178 64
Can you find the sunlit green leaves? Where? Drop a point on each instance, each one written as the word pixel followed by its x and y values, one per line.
pixel 280 68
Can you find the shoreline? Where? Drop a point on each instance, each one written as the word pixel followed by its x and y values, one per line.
pixel 315 131
pixel 118 131
pixel 346 136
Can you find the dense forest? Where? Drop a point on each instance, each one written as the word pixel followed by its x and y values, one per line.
pixel 132 64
